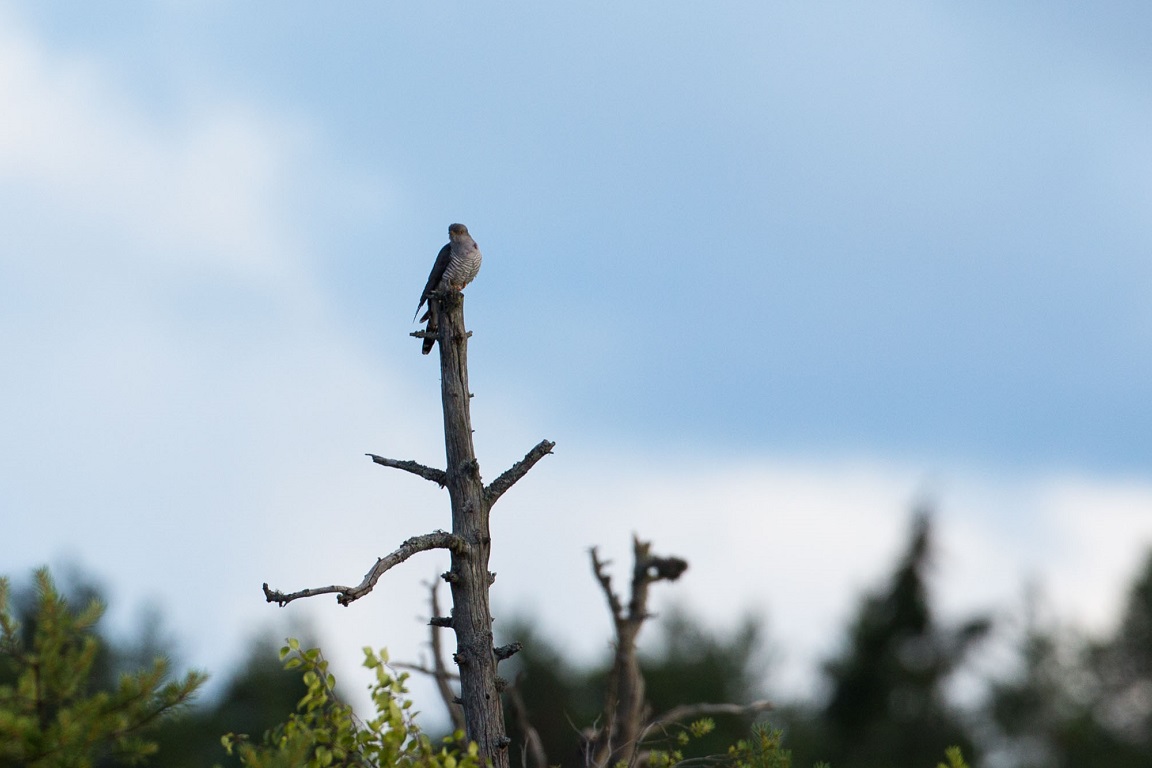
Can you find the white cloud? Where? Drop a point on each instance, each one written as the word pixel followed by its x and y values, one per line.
pixel 182 413
pixel 802 540
pixel 1098 532
pixel 195 190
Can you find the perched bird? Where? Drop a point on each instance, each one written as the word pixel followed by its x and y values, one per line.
pixel 456 266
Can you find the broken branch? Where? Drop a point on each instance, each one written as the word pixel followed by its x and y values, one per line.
pixel 422 669
pixel 605 580
pixel 437 476
pixel 501 484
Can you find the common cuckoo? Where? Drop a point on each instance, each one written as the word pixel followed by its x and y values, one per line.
pixel 456 266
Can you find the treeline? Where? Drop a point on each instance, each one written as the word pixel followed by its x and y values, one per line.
pixel 886 699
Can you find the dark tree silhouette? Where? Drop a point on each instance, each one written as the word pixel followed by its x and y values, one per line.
pixel 253 700
pixel 886 704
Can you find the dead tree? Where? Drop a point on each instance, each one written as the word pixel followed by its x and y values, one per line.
pixel 626 720
pixel 619 736
pixel 469 543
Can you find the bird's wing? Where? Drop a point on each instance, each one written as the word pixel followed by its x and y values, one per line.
pixel 438 268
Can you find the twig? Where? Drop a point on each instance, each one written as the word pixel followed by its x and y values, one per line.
pixel 439 669
pixel 419 668
pixel 437 476
pixel 533 745
pixel 605 580
pixel 345 595
pixel 691 711
pixel 501 484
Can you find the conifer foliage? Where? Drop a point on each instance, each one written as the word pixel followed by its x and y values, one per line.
pixel 51 711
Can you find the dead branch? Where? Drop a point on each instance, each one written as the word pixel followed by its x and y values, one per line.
pixel 534 756
pixel 618 736
pixel 437 476
pixel 434 334
pixel 618 740
pixel 345 595
pixel 504 652
pixel 419 668
pixel 501 484
pixel 605 580
pixel 693 711
pixel 440 671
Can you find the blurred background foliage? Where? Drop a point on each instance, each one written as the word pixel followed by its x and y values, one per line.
pixel 887 696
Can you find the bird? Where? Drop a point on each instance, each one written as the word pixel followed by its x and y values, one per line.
pixel 456 266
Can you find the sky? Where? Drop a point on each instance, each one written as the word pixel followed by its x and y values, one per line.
pixel 769 273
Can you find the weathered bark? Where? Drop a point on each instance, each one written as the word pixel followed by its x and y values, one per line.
pixel 469 576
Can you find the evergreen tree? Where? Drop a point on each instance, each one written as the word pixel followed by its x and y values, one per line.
pixel 1124 668
pixel 1031 707
pixel 886 705
pixel 55 708
pixel 1073 702
pixel 253 701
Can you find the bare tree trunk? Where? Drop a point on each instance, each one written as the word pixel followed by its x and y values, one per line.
pixel 619 738
pixel 469 575
pixel 470 542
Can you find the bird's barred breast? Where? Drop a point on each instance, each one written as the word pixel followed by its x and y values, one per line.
pixel 462 268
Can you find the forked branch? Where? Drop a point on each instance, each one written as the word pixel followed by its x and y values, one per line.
pixel 345 595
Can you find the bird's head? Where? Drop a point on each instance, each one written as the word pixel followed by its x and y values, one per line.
pixel 457 231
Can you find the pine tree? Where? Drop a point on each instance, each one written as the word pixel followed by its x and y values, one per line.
pixel 887 704
pixel 53 710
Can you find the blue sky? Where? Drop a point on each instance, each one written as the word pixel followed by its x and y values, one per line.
pixel 766 272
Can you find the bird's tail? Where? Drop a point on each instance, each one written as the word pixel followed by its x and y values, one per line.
pixel 431 329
